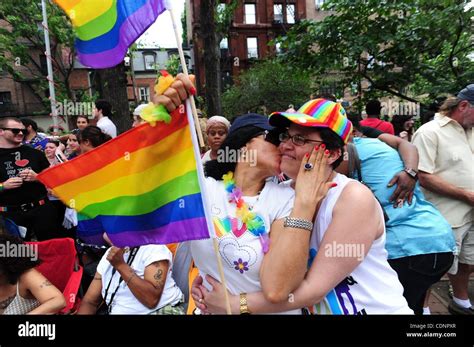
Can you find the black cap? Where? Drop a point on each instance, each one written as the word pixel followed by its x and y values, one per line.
pixel 467 94
pixel 254 119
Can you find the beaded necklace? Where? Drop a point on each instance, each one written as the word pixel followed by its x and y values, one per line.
pixel 253 221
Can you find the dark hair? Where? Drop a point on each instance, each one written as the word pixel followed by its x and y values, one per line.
pixel 14 267
pixel 55 142
pixel 104 106
pixel 332 142
pixel 355 120
pixel 85 117
pixel 4 121
pixel 27 122
pixel 373 108
pixel 94 135
pixel 398 121
pixel 327 96
pixel 234 141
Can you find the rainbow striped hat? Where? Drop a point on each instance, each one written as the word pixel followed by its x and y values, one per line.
pixel 317 113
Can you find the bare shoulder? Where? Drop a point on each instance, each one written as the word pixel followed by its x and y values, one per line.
pixel 32 279
pixel 355 197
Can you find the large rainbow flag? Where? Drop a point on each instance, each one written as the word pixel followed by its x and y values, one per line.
pixel 106 28
pixel 142 186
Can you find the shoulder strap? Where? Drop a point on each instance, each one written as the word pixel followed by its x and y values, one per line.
pixel 133 253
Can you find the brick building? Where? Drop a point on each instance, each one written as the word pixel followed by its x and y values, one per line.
pixel 254 25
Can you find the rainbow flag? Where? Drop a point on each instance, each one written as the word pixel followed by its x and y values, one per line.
pixel 142 186
pixel 106 28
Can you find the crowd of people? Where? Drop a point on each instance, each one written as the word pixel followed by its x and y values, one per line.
pixel 321 213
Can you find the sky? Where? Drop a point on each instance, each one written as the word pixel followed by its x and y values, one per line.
pixel 161 32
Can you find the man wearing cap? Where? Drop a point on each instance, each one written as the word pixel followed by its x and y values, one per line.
pixel 446 172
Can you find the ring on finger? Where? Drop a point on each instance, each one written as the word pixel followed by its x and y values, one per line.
pixel 308 166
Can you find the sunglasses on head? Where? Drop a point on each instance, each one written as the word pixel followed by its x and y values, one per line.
pixel 270 136
pixel 16 131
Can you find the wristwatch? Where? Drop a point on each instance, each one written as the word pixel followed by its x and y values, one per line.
pixel 412 173
pixel 244 309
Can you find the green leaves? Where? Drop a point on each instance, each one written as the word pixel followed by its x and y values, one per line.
pixel 267 87
pixel 393 44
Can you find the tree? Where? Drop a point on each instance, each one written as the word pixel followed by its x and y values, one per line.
pixel 267 87
pixel 111 84
pixel 22 44
pixel 215 22
pixel 401 47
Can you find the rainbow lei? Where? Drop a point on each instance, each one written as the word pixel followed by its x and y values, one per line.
pixel 253 222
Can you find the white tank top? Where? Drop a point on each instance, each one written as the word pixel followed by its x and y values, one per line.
pixel 372 287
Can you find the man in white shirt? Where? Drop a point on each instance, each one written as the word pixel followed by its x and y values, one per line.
pixel 102 112
pixel 446 149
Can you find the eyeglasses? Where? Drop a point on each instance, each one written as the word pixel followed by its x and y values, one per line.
pixel 297 140
pixel 16 131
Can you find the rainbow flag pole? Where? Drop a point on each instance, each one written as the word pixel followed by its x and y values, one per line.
pixel 200 171
pixel 169 7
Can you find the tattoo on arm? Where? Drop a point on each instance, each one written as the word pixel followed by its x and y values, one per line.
pixel 46 283
pixel 97 278
pixel 159 278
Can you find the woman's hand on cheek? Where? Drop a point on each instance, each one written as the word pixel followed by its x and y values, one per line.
pixel 312 182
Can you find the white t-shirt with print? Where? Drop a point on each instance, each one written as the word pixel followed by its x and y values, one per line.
pixel 107 126
pixel 240 250
pixel 124 301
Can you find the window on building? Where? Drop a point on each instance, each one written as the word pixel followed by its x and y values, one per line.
pixel 290 14
pixel 278 13
pixel 319 4
pixel 144 94
pixel 284 14
pixel 150 62
pixel 252 47
pixel 250 14
pixel 5 98
pixel 224 43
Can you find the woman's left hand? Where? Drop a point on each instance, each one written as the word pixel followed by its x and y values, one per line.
pixel 312 185
pixel 215 300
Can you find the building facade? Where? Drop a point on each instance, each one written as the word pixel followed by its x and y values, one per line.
pixel 255 24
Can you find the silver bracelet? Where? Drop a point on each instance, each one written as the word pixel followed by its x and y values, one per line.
pixel 298 223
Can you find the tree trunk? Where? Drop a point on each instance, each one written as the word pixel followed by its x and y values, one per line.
pixel 211 56
pixel 112 86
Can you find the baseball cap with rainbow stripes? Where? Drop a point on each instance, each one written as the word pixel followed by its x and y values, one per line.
pixel 320 113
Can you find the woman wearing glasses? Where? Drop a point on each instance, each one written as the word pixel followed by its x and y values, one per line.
pixel 334 219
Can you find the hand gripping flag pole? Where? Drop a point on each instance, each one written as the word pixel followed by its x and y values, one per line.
pixel 200 170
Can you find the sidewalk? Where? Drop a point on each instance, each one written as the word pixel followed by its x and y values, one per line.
pixel 439 298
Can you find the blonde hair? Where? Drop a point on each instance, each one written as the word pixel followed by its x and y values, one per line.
pixel 449 105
